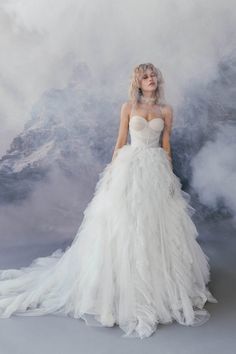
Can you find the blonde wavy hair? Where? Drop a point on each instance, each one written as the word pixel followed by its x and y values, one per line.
pixel 135 91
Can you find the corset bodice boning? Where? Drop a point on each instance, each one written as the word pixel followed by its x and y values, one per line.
pixel 145 133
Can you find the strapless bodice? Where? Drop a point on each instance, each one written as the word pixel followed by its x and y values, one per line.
pixel 144 132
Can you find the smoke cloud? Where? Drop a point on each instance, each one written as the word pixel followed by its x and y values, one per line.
pixel 43 41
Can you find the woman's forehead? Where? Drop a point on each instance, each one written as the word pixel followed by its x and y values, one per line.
pixel 148 70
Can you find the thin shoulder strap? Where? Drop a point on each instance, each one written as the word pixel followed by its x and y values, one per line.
pixel 162 115
pixel 132 111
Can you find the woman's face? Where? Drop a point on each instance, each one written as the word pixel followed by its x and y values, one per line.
pixel 148 81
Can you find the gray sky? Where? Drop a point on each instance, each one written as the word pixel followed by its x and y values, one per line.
pixel 42 40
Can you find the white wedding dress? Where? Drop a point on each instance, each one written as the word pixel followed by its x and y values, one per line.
pixel 134 261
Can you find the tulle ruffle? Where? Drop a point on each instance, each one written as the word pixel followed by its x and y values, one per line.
pixel 134 261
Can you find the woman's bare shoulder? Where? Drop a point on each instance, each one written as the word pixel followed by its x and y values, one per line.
pixel 127 105
pixel 167 109
pixel 126 108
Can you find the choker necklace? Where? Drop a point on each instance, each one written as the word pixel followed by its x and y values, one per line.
pixel 148 99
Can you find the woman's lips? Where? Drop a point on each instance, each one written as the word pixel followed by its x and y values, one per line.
pixel 151 83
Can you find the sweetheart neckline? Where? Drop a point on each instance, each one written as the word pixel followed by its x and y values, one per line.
pixel 148 121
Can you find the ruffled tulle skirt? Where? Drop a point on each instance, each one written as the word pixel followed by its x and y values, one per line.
pixel 134 261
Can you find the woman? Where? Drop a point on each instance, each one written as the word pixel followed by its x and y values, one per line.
pixel 134 261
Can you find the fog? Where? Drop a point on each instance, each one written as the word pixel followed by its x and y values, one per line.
pixel 43 41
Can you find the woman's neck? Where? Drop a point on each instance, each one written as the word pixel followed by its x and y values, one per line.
pixel 150 100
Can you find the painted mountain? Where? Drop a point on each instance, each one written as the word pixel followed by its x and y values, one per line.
pixel 73 133
pixel 69 130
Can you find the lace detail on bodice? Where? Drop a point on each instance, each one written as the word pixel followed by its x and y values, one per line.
pixel 145 132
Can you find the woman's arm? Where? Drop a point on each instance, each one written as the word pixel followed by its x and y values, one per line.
pixel 168 116
pixel 123 129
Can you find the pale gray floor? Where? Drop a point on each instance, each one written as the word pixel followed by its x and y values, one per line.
pixel 61 335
